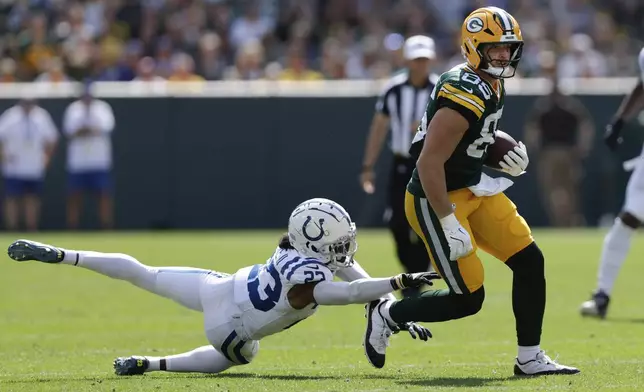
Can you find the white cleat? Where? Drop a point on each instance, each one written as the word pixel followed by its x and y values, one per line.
pixel 541 365
pixel 376 338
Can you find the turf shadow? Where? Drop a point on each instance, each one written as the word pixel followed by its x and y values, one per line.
pixel 462 382
pixel 631 320
pixel 282 377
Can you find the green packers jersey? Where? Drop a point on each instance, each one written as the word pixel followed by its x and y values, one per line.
pixel 462 90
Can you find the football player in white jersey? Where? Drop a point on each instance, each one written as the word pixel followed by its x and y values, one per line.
pixel 618 240
pixel 256 301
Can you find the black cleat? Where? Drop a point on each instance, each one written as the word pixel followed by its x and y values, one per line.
pixel 596 306
pixel 24 250
pixel 131 366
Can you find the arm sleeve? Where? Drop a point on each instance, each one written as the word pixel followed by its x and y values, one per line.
pixel 357 292
pixel 465 102
pixel 356 272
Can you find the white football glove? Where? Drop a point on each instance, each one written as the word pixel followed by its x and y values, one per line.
pixel 515 161
pixel 460 243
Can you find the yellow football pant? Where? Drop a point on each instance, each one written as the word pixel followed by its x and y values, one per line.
pixel 493 223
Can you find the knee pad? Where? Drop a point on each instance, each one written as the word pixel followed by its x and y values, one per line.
pixel 249 350
pixel 527 262
pixel 471 303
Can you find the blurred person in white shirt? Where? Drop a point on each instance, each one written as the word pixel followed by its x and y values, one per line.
pixel 28 138
pixel 88 124
pixel 582 60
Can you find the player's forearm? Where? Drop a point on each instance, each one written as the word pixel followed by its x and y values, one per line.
pixel 632 104
pixel 352 273
pixel 432 178
pixel 356 272
pixel 357 292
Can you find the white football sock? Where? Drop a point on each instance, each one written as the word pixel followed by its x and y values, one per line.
pixel 71 257
pixel 384 310
pixel 203 360
pixel 180 284
pixel 528 353
pixel 114 265
pixel 616 246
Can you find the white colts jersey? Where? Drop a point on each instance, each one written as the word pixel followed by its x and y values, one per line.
pixel 261 292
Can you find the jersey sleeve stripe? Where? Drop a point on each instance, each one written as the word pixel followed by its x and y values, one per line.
pixel 287 264
pixel 462 102
pixel 305 262
pixel 465 94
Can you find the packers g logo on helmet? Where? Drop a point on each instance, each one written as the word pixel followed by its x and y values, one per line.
pixel 474 24
pixel 489 26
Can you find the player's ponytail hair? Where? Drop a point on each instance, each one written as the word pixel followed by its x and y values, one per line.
pixel 284 243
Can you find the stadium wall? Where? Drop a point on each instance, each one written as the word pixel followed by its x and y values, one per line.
pixel 186 160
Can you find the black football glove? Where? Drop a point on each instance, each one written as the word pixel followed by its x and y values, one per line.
pixel 414 330
pixel 612 136
pixel 418 279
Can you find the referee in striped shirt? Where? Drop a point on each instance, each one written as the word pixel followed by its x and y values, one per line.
pixel 400 108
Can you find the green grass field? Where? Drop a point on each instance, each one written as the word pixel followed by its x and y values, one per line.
pixel 61 327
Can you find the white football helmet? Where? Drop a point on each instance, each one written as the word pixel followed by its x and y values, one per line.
pixel 322 229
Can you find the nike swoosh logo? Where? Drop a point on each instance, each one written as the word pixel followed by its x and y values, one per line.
pixel 468 90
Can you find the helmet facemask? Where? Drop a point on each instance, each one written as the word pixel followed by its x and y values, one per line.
pixel 506 71
pixel 339 254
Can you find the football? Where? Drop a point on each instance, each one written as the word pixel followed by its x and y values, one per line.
pixel 495 151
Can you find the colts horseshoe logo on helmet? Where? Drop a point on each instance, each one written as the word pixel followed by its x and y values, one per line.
pixel 318 225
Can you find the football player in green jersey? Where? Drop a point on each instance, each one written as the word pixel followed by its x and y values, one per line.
pixel 456 209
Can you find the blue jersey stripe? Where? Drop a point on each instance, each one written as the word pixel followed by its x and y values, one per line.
pixel 304 263
pixel 227 342
pixel 288 264
pixel 237 350
pixel 278 261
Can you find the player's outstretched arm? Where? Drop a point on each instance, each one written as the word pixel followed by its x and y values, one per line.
pixel 356 272
pixel 367 289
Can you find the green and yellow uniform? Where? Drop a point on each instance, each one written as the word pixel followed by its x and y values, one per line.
pixel 492 221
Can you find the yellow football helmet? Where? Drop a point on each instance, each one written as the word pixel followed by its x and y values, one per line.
pixel 490 26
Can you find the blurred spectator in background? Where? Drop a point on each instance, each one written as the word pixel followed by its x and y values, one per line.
pixel 7 70
pixel 28 137
pixel 210 62
pixel 250 25
pixel 560 132
pixel 54 71
pixel 88 124
pixel 183 67
pixel 582 60
pixel 146 70
pixel 248 62
pixel 296 67
pixel 337 38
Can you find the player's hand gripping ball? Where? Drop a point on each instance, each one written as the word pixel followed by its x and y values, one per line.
pixel 507 155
